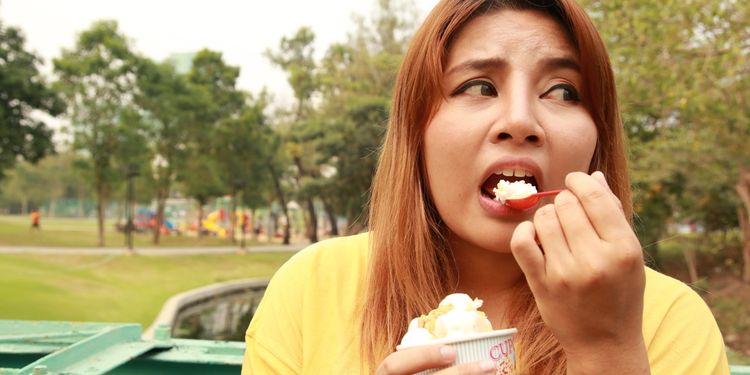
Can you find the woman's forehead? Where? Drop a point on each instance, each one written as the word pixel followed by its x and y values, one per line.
pixel 507 34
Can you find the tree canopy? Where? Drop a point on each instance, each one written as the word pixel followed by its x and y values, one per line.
pixel 23 90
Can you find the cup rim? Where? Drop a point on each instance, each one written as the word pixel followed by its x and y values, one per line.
pixel 458 339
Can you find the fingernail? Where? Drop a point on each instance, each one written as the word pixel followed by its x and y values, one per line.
pixel 448 352
pixel 487 365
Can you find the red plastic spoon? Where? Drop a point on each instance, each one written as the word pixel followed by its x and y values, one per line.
pixel 530 201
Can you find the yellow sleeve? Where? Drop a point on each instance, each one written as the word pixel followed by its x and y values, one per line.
pixel 259 360
pixel 686 339
pixel 273 339
pixel 307 321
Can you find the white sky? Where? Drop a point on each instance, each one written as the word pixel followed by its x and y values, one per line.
pixel 240 29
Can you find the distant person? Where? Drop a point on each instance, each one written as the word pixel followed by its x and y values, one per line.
pixel 36 218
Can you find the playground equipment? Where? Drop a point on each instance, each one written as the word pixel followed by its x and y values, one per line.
pixel 145 221
pixel 218 224
pixel 212 224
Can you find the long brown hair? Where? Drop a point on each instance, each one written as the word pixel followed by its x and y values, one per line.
pixel 411 265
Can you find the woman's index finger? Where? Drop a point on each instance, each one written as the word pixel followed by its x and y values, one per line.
pixel 600 205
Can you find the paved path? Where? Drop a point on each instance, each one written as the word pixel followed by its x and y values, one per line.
pixel 150 251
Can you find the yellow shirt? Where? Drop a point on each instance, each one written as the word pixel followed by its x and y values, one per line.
pixel 307 322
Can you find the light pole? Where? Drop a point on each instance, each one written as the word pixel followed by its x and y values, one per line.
pixel 132 172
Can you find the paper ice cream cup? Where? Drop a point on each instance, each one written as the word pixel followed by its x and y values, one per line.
pixel 494 345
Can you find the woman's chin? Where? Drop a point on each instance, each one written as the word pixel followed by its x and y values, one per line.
pixel 488 239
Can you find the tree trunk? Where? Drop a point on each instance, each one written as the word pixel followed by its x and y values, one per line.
pixel 313 223
pixel 312 219
pixel 100 211
pixel 161 202
pixel 745 230
pixel 692 264
pixel 743 213
pixel 282 201
pixel 164 184
pixel 331 218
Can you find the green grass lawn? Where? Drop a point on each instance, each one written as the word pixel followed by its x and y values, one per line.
pixel 114 288
pixel 64 232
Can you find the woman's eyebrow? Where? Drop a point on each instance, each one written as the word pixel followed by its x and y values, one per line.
pixel 552 63
pixel 479 65
pixel 557 63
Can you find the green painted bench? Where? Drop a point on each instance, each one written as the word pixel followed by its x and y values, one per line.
pixel 49 348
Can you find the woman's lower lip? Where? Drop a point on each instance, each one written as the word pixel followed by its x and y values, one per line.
pixel 495 208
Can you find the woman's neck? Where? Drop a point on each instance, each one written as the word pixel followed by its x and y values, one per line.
pixel 489 275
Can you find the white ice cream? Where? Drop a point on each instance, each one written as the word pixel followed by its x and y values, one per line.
pixel 456 316
pixel 513 190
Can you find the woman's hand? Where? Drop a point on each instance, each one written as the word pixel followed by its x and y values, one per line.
pixel 422 358
pixel 586 273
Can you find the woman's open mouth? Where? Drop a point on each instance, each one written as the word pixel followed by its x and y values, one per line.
pixel 510 175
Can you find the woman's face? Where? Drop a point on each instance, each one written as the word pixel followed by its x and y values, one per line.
pixel 511 107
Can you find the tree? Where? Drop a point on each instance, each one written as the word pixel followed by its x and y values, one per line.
pixel 217 85
pixel 98 81
pixel 168 103
pixel 356 83
pixel 241 151
pixel 684 104
pixel 276 162
pixel 25 185
pixel 217 98
pixel 295 56
pixel 743 190
pixel 64 180
pixel 22 91
pixel 44 183
pixel 200 180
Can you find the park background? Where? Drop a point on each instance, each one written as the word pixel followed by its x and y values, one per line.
pixel 104 140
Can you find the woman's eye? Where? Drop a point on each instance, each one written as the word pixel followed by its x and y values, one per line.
pixel 476 88
pixel 563 92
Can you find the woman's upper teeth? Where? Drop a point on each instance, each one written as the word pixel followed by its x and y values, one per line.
pixel 514 172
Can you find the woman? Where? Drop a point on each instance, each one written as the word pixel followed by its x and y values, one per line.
pixel 492 90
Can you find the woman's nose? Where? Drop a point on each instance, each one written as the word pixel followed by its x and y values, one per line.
pixel 516 121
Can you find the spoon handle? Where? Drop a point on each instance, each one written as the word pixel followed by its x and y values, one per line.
pixel 548 193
